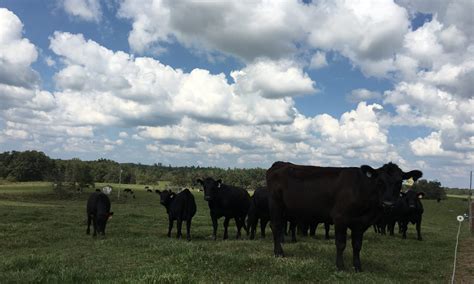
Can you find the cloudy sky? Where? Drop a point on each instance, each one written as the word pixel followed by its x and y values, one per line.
pixel 242 83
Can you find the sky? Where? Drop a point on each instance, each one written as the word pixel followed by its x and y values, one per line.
pixel 242 83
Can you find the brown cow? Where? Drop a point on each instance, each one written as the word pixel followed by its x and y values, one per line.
pixel 350 197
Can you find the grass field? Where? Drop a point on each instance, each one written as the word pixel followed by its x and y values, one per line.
pixel 42 239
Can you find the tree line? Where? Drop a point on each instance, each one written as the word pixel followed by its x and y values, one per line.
pixel 18 166
pixel 37 166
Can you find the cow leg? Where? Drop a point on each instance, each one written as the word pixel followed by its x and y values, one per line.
pixel 94 223
pixel 404 227
pixel 326 231
pixel 293 231
pixel 312 229
pixel 246 228
pixel 356 236
pixel 276 213
pixel 252 224
pixel 226 226
pixel 263 224
pixel 391 226
pixel 179 224
pixel 170 226
pixel 89 220
pixel 188 229
pixel 214 227
pixel 238 223
pixel 418 229
pixel 341 236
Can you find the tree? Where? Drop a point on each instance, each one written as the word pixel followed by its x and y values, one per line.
pixel 432 189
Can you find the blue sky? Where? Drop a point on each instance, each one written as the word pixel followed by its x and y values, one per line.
pixel 228 84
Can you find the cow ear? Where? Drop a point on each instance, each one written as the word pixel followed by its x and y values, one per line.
pixel 219 183
pixel 200 181
pixel 369 171
pixel 420 194
pixel 415 174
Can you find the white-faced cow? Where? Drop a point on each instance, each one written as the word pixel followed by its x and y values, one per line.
pixel 351 197
pixel 226 201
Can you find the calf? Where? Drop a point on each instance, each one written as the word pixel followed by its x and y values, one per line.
pixel 258 211
pixel 98 211
pixel 180 207
pixel 351 197
pixel 228 201
pixel 411 212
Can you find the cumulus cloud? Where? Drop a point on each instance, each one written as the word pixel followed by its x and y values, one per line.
pixel 272 79
pixel 16 53
pixel 359 95
pixel 318 60
pixel 367 32
pixel 87 10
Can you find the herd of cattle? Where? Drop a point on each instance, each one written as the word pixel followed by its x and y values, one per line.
pixel 301 196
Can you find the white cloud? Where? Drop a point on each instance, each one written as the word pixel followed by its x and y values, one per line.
pixel 87 10
pixel 272 79
pixel 359 95
pixel 364 31
pixel 318 60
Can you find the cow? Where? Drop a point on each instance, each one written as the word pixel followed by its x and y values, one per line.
pixel 149 190
pixel 258 211
pixel 98 211
pixel 180 207
pixel 226 201
pixel 349 197
pixel 411 211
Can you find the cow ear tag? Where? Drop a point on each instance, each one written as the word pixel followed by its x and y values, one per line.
pixel 369 174
pixel 409 182
pixel 219 185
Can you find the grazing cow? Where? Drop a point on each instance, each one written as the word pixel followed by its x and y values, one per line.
pixel 180 207
pixel 258 211
pixel 128 190
pixel 350 197
pixel 149 190
pixel 411 211
pixel 228 201
pixel 98 211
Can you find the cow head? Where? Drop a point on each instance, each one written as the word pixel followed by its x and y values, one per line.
pixel 412 197
pixel 211 187
pixel 166 196
pixel 388 179
pixel 102 222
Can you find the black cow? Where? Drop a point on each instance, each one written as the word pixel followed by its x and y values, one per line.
pixel 98 211
pixel 228 201
pixel 411 212
pixel 180 207
pixel 350 197
pixel 258 211
pixel 149 190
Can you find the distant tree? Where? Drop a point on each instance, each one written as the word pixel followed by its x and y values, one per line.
pixel 432 189
pixel 28 166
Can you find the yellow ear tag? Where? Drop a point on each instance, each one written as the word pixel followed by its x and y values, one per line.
pixel 409 182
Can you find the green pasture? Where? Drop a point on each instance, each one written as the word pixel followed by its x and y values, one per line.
pixel 42 239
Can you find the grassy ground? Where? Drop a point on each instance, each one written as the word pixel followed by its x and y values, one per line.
pixel 42 239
